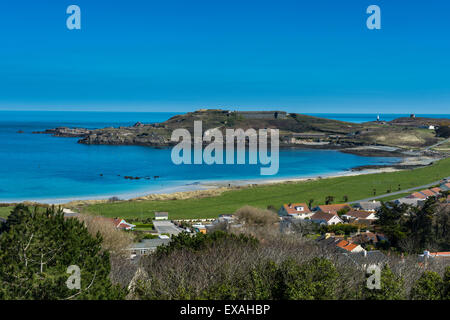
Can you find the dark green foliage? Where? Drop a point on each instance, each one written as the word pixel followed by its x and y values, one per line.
pixel 443 131
pixel 38 246
pixel 314 280
pixel 390 220
pixel 201 241
pixel 430 286
pixel 414 229
pixel 446 293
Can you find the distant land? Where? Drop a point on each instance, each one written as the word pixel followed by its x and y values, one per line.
pixel 412 134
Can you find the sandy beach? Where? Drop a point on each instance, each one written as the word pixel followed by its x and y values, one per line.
pixel 214 188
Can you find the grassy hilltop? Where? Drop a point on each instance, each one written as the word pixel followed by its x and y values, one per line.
pixel 295 130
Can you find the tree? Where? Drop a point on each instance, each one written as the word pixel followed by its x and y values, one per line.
pixel 390 220
pixel 36 249
pixel 345 198
pixel 314 280
pixel 200 241
pixel 430 286
pixel 392 287
pixel 255 216
pixel 446 283
pixel 421 222
pixel 329 199
pixel 310 202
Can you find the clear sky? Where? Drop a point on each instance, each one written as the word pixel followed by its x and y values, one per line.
pixel 181 55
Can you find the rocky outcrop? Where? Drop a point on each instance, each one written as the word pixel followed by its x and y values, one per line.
pixel 66 132
pixel 296 130
pixel 125 137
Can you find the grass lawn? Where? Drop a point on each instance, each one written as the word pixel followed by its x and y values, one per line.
pixel 5 211
pixel 143 227
pixel 354 187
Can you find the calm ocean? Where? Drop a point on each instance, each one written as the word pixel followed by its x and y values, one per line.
pixel 42 167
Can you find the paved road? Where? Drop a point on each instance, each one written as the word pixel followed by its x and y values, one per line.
pixel 425 186
pixel 437 144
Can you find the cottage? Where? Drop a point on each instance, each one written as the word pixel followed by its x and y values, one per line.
pixel 359 214
pixel 434 255
pixel 428 193
pixel 417 195
pixel 349 246
pixel 147 246
pixel 295 210
pixel 371 206
pixel 326 218
pixel 445 186
pixel 123 225
pixel 436 190
pixel 368 238
pixel 410 201
pixel 332 208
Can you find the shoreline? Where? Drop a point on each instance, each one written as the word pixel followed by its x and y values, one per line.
pixel 216 187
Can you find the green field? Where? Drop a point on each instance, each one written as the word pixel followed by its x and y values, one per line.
pixel 354 187
pixel 4 211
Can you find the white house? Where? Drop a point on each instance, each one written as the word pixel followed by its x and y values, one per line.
pixel 326 218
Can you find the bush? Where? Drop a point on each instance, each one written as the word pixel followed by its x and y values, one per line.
pixel 256 217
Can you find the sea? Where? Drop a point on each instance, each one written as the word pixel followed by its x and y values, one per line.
pixel 39 167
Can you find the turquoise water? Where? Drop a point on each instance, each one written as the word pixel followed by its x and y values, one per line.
pixel 42 167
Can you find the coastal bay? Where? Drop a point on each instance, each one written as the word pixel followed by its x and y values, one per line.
pixel 50 169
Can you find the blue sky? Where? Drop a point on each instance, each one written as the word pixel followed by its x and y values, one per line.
pixel 181 55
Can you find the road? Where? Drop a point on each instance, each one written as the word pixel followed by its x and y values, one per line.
pixel 437 144
pixel 425 186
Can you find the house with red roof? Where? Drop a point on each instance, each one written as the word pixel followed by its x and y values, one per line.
pixel 295 210
pixel 434 255
pixel 123 225
pixel 332 208
pixel 349 246
pixel 436 190
pixel 445 186
pixel 417 195
pixel 428 193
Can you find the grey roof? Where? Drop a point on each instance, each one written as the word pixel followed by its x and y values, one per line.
pixel 150 243
pixel 164 226
pixel 410 201
pixel 2 220
pixel 368 205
